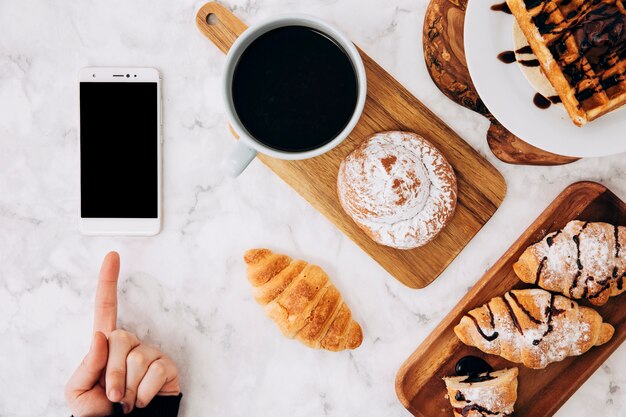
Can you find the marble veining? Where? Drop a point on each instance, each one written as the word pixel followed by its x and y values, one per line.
pixel 185 289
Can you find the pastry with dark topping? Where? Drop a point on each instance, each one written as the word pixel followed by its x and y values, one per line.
pixel 490 394
pixel 584 260
pixel 581 47
pixel 533 327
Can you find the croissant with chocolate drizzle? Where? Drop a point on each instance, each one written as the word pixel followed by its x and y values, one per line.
pixel 582 260
pixel 533 327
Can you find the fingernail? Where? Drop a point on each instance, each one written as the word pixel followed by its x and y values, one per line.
pixel 125 408
pixel 115 395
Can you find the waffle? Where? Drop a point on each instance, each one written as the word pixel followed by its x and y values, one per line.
pixel 581 46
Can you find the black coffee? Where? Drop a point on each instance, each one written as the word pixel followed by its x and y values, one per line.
pixel 294 89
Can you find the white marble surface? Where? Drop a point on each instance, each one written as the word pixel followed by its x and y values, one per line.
pixel 186 289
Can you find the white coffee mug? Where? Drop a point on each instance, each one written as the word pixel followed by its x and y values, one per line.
pixel 247 147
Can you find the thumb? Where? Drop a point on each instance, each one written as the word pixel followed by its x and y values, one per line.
pixel 89 371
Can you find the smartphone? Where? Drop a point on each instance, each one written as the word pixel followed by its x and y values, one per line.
pixel 120 151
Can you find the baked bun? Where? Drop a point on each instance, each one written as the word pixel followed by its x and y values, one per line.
pixel 398 188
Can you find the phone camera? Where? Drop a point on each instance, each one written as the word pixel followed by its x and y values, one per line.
pixel 127 75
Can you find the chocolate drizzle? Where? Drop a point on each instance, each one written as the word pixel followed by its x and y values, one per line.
pixel 542 20
pixel 491 317
pixel 540 101
pixel 524 50
pixel 551 312
pixel 472 379
pixel 513 316
pixel 550 240
pixel 616 236
pixel 501 7
pixel 475 407
pixel 574 283
pixel 576 239
pixel 586 288
pixel 599 32
pixel 529 62
pixel 600 291
pixel 530 4
pixel 544 102
pixel 524 309
pixel 488 338
pixel 554 99
pixel 460 397
pixel 508 57
pixel 540 269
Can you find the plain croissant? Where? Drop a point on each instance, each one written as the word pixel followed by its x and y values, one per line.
pixel 533 327
pixel 583 260
pixel 302 301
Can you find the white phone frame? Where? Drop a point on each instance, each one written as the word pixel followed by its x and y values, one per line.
pixel 126 226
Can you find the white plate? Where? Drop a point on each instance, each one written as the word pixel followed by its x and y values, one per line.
pixel 508 95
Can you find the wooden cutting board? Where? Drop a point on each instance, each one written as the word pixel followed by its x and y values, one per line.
pixel 444 53
pixel 389 106
pixel 541 392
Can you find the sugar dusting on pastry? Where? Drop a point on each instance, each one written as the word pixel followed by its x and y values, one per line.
pixel 582 260
pixel 495 396
pixel 399 188
pixel 533 327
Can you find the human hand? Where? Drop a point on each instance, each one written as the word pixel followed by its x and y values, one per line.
pixel 118 367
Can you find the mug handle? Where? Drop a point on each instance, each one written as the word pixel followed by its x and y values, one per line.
pixel 238 159
pixel 223 28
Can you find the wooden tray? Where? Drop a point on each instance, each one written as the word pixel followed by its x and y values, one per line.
pixel 444 53
pixel 389 106
pixel 541 392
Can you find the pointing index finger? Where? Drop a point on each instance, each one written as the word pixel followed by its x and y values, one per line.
pixel 105 314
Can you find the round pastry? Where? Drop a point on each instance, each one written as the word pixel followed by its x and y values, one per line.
pixel 398 188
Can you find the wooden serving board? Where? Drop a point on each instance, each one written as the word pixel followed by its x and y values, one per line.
pixel 389 106
pixel 541 392
pixel 444 52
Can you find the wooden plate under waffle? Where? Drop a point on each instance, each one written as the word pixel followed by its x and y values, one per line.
pixel 445 58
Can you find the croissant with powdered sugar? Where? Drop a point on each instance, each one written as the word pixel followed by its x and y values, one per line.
pixel 533 327
pixel 584 260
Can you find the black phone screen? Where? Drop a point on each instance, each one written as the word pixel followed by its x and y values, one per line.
pixel 118 149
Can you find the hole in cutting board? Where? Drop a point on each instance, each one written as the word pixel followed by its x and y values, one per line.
pixel 211 19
